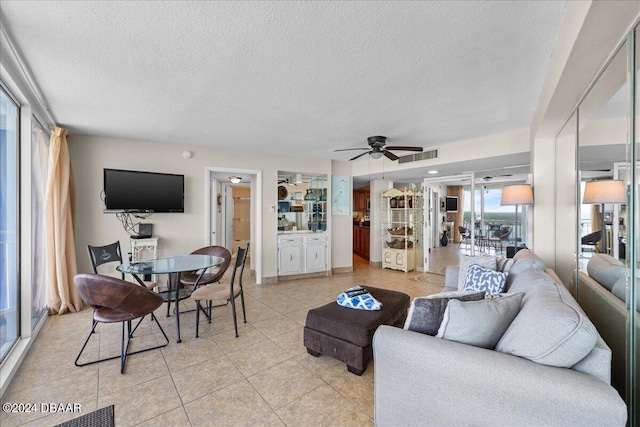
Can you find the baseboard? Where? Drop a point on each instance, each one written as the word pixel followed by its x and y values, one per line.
pixel 303 276
pixel 338 270
pixel 375 263
pixel 269 280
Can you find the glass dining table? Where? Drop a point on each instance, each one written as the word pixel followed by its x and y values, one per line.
pixel 173 266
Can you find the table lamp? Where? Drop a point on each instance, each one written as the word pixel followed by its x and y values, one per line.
pixel 518 194
pixel 601 192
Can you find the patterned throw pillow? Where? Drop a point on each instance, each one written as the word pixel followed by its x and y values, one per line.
pixel 358 298
pixel 484 279
pixel 488 261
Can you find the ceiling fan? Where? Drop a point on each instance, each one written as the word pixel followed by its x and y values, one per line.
pixel 378 148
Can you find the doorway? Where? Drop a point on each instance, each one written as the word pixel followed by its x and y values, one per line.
pixel 233 217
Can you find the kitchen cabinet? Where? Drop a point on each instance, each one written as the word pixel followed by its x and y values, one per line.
pixel 361 241
pixel 289 255
pixel 360 199
pixel 402 219
pixel 315 253
pixel 302 253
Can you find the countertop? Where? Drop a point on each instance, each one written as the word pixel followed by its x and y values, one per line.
pixel 288 232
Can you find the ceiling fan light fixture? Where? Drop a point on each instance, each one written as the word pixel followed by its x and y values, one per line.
pixel 376 154
pixel 235 179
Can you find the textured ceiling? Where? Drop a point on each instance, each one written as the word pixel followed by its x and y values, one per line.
pixel 302 78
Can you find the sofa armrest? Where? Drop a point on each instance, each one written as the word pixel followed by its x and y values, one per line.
pixel 451 277
pixel 423 380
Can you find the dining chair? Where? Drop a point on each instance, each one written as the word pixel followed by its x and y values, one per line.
pixel 465 235
pixel 591 239
pixel 114 300
pixel 222 292
pixel 190 278
pixel 99 255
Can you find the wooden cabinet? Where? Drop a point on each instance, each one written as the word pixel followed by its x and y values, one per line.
pixel 360 200
pixel 361 241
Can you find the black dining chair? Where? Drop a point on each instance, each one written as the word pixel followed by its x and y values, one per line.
pixel 591 239
pixel 114 300
pixel 465 235
pixel 222 292
pixel 111 253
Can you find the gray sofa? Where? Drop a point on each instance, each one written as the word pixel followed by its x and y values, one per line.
pixel 602 296
pixel 421 380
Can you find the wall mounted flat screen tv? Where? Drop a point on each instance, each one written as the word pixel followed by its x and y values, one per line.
pixel 451 204
pixel 136 191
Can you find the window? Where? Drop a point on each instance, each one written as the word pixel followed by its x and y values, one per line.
pixel 9 289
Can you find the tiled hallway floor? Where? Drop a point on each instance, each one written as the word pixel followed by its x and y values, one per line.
pixel 263 378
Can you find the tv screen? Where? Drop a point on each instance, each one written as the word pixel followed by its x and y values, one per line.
pixel 135 191
pixel 451 204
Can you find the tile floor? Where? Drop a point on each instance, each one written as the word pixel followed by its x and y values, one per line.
pixel 263 378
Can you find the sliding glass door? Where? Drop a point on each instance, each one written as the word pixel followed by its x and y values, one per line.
pixel 9 289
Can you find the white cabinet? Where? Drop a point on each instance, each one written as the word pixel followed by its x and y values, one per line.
pixel 315 254
pixel 399 259
pixel 289 255
pixel 302 253
pixel 402 219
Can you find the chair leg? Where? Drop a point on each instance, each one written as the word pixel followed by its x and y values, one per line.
pixel 198 308
pixel 232 300
pixel 93 328
pixel 244 312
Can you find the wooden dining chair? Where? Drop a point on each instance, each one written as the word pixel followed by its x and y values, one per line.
pixel 114 300
pixel 222 292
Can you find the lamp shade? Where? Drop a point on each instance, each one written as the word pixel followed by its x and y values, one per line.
pixel 520 194
pixel 605 191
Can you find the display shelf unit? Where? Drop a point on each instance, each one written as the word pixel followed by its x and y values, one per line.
pixel 316 204
pixel 142 250
pixel 402 219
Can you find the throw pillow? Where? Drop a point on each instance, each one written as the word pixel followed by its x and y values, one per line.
pixel 484 260
pixel 484 279
pixel 359 298
pixel 426 313
pixel 504 264
pixel 479 323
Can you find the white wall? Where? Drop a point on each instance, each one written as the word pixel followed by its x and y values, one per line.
pixel 341 245
pixel 179 233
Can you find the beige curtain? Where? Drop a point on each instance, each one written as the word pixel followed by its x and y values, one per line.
pixel 62 295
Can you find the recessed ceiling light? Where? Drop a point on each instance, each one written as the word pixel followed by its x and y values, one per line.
pixel 432 172
pixel 235 179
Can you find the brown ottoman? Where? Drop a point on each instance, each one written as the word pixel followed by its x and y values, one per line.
pixel 346 333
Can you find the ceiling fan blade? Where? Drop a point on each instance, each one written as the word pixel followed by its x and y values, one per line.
pixel 359 155
pixel 389 155
pixel 403 148
pixel 350 149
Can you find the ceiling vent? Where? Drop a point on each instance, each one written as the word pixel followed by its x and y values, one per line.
pixel 425 155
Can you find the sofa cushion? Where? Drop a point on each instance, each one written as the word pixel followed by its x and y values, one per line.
pixel 479 323
pixel 504 264
pixel 523 260
pixel 489 281
pixel 550 328
pixel 426 313
pixel 484 260
pixel 606 270
pixel 619 289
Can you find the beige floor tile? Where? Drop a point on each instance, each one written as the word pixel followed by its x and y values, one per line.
pixel 140 368
pixel 237 404
pixel 300 316
pixel 323 366
pixel 228 341
pixel 322 407
pixel 272 420
pixel 258 357
pixel 143 401
pixel 290 305
pixel 291 342
pixel 277 388
pixel 358 389
pixel 174 418
pixel 190 352
pixel 206 377
pixel 276 326
pixel 55 418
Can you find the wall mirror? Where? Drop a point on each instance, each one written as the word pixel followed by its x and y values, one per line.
pixel 606 187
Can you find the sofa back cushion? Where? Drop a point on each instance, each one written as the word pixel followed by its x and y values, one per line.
pixel 523 260
pixel 606 270
pixel 484 260
pixel 550 328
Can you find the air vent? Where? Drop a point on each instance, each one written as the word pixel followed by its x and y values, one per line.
pixel 425 155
